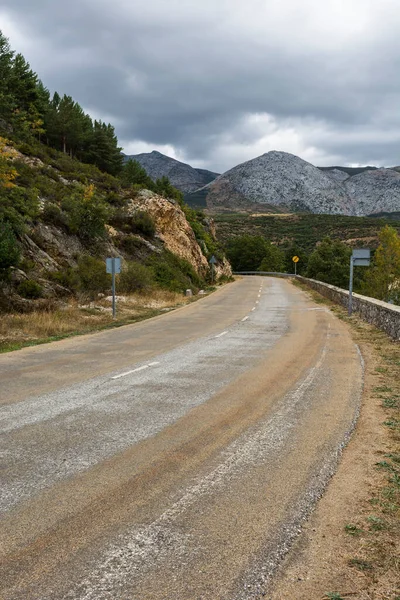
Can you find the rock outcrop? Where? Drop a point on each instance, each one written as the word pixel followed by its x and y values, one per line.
pixel 182 176
pixel 172 227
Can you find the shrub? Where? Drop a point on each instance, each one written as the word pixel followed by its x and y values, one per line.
pixel 30 289
pixel 18 206
pixel 87 214
pixel 114 198
pixel 129 243
pixel 68 278
pixel 92 276
pixel 140 222
pixel 53 215
pixel 136 277
pixel 143 223
pixel 27 149
pixel 174 273
pixel 9 248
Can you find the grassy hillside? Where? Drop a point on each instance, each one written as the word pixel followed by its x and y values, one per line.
pixel 304 230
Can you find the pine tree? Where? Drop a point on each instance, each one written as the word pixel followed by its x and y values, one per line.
pixel 134 174
pixel 7 104
pixel 26 107
pixel 165 188
pixel 103 150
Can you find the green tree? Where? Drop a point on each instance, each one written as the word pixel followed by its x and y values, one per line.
pixel 6 98
pixel 68 128
pixel 102 149
pixel 330 262
pixel 25 105
pixel 134 174
pixel 246 252
pixel 273 260
pixel 295 250
pixel 165 188
pixel 382 280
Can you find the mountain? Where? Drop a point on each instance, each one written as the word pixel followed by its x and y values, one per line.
pixel 375 191
pixel 182 176
pixel 280 182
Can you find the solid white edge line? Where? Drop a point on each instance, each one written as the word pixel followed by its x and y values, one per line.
pixel 221 334
pixel 152 364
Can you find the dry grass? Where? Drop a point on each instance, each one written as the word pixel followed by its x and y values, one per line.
pixel 19 330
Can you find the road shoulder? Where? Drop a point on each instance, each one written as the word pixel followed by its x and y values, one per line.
pixel 350 545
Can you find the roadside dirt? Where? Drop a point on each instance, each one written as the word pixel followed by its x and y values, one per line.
pixel 350 547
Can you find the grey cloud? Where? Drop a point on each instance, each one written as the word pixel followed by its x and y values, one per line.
pixel 188 77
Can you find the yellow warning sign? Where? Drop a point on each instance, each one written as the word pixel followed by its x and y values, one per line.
pixel 295 259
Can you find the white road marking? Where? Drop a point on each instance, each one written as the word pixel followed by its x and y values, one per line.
pixel 245 319
pixel 221 334
pixel 161 536
pixel 135 370
pixel 259 296
pixel 254 308
pixel 257 302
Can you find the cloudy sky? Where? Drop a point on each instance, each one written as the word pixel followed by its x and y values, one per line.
pixel 217 82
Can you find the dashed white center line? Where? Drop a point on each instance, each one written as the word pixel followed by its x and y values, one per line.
pixel 152 364
pixel 257 302
pixel 245 319
pixel 221 334
pixel 254 308
pixel 259 296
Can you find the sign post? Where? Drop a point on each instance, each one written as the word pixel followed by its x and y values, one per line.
pixel 213 262
pixel 113 266
pixel 361 257
pixel 295 259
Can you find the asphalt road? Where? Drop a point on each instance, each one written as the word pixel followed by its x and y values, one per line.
pixel 174 459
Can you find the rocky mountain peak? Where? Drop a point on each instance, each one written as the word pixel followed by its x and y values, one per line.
pixel 282 182
pixel 182 176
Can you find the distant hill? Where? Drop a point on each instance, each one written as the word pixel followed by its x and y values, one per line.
pixel 278 182
pixel 304 230
pixel 182 176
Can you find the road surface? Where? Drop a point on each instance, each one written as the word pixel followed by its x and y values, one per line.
pixel 176 458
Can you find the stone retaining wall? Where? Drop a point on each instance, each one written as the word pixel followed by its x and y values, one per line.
pixel 381 314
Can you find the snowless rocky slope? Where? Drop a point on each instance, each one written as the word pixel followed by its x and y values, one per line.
pixel 278 181
pixel 182 176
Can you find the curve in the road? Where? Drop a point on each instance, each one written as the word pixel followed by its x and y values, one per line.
pixel 187 473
